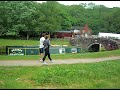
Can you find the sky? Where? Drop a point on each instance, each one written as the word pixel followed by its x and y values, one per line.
pixel 109 4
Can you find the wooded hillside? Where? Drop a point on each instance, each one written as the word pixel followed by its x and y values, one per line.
pixel 29 18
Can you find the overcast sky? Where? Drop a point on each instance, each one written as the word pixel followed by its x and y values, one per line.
pixel 109 4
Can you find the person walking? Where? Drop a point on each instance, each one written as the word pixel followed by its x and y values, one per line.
pixel 41 48
pixel 46 44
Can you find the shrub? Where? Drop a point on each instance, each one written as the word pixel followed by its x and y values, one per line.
pixel 2 50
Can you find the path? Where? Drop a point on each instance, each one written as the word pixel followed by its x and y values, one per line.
pixel 38 63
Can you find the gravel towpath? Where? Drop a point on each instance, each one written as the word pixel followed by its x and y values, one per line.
pixel 38 63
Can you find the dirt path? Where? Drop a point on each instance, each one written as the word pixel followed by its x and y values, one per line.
pixel 38 63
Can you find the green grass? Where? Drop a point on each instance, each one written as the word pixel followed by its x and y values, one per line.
pixel 65 56
pixel 13 42
pixel 102 75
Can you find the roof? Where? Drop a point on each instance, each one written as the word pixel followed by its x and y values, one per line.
pixel 64 31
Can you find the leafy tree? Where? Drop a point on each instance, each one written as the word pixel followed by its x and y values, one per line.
pixel 112 21
pixel 27 18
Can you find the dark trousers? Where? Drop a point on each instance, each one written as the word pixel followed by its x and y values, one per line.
pixel 47 53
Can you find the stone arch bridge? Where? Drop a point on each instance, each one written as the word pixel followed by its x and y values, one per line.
pixel 94 44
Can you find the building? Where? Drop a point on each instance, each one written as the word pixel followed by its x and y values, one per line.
pixel 75 31
pixel 109 35
pixel 62 34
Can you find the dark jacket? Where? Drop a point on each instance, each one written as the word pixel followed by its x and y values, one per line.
pixel 46 43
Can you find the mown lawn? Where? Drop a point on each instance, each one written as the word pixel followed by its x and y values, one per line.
pixel 102 75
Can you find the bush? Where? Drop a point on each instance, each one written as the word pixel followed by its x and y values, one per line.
pixel 2 50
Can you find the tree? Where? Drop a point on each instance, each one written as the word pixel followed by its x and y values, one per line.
pixel 112 21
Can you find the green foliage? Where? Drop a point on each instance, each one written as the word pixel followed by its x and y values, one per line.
pixel 112 23
pixel 25 18
pixel 2 50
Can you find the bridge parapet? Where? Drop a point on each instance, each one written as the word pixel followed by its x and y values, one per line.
pixel 85 43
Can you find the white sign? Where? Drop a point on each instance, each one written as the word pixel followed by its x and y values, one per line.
pixel 61 50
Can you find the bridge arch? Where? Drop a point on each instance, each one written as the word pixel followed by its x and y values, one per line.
pixel 95 44
pixel 95 47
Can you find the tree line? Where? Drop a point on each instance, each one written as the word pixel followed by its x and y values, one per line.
pixel 29 18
